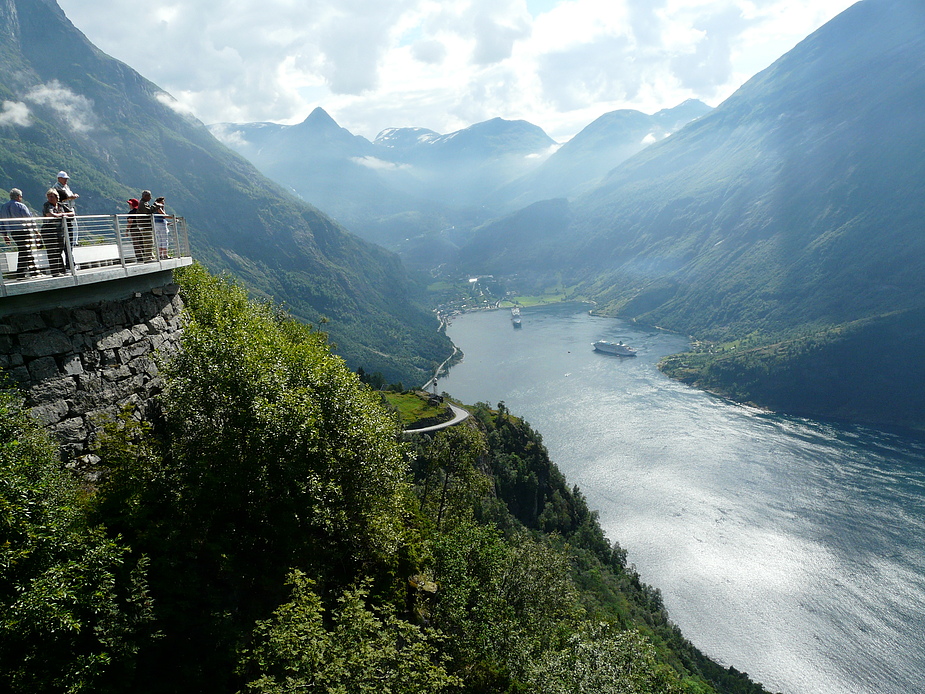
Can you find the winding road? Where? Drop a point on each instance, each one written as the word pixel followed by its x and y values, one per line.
pixel 459 415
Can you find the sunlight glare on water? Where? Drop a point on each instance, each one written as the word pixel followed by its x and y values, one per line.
pixel 788 548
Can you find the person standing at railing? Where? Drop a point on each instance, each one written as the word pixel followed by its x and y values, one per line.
pixel 162 229
pixel 54 234
pixel 144 224
pixel 134 232
pixel 19 232
pixel 66 198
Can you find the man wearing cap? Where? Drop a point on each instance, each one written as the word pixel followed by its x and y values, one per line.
pixel 66 198
pixel 65 194
pixel 21 232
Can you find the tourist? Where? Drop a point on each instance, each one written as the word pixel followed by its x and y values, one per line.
pixel 54 234
pixel 144 224
pixel 66 198
pixel 19 233
pixel 162 229
pixel 140 240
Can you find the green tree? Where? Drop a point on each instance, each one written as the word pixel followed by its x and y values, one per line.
pixel 602 660
pixel 74 610
pixel 269 454
pixel 360 650
pixel 501 601
pixel 452 471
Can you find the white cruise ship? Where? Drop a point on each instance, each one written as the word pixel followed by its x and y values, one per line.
pixel 617 348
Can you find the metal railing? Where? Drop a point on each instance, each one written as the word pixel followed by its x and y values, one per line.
pixel 39 249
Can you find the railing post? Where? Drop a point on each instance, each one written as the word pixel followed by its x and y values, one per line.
pixel 115 225
pixel 68 248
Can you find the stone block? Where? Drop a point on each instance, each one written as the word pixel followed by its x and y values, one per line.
pixel 112 313
pixel 44 343
pixel 20 375
pixel 50 413
pixel 71 430
pixel 48 391
pixel 43 368
pixel 117 373
pixel 141 331
pixel 130 352
pixel 8 361
pixel 85 320
pixel 72 365
pixel 90 382
pixel 6 344
pixel 91 359
pixel 108 357
pixel 24 322
pixel 57 317
pixel 158 324
pixel 115 339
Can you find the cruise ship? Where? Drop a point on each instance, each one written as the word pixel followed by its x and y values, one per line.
pixel 617 348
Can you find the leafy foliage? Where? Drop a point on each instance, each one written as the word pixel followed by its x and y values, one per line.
pixel 269 455
pixel 74 608
pixel 295 543
pixel 361 652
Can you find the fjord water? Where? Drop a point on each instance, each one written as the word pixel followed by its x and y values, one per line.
pixel 788 548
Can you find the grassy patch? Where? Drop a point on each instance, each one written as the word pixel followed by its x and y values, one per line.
pixel 413 408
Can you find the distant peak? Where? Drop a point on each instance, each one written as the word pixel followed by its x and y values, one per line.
pixel 320 118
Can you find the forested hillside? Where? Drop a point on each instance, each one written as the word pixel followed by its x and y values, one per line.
pixel 116 133
pixel 269 532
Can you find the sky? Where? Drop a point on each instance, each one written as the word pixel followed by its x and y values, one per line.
pixel 445 64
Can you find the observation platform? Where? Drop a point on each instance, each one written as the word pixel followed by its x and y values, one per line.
pixel 109 253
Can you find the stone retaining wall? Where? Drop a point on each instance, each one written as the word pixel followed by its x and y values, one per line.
pixel 76 365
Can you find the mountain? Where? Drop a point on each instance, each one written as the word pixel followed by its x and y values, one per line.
pixel 65 104
pixel 402 189
pixel 465 166
pixel 580 163
pixel 793 209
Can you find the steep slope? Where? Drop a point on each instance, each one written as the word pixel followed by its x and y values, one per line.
pixel 73 107
pixel 796 201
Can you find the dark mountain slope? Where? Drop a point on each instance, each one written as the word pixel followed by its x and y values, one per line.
pixel 792 215
pixel 797 201
pixel 116 133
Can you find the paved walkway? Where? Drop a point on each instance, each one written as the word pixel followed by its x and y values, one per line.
pixel 459 415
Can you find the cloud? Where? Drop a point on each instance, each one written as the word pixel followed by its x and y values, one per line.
pixel 174 105
pixel 379 165
pixel 74 109
pixel 15 113
pixel 429 51
pixel 229 135
pixel 374 64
